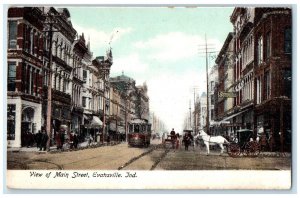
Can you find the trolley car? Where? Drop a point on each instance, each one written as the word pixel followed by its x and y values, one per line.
pixel 139 133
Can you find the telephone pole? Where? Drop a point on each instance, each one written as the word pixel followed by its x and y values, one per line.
pixel 207 94
pixel 50 20
pixel 206 48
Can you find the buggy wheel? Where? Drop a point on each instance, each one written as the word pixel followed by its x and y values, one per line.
pixel 252 149
pixel 233 150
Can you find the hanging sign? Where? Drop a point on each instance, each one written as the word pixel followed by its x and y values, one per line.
pixel 226 94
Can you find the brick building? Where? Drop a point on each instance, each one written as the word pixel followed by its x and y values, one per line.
pixel 273 70
pixel 262 71
pixel 25 56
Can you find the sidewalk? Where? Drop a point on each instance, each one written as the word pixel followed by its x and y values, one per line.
pixel 66 147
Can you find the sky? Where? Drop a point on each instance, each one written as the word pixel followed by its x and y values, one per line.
pixel 161 46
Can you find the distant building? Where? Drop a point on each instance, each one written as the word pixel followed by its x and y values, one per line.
pixel 134 101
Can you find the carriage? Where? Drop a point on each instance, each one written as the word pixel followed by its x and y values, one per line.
pixel 243 143
pixel 169 141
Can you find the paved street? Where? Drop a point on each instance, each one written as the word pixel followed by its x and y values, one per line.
pixel 155 157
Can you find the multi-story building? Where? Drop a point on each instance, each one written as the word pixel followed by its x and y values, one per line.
pixel 79 86
pixel 134 101
pixel 243 22
pixel 224 102
pixel 25 63
pixel 80 52
pixel 213 83
pixel 261 74
pixel 272 72
pixel 115 125
pixel 63 36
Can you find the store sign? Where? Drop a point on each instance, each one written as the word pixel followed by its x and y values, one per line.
pixel 226 94
pixel 11 121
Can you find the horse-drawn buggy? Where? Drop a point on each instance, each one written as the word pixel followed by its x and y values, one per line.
pixel 243 143
pixel 170 141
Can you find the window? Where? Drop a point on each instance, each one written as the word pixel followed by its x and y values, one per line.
pixel 268 45
pixel 287 40
pixel 260 50
pixel 31 41
pixel 268 85
pixel 11 121
pixel 11 77
pixel 258 88
pixel 287 77
pixel 12 34
pixel 84 101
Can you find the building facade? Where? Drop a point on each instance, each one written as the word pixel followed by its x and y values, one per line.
pixel 79 84
pixel 273 75
pixel 25 62
pixel 261 77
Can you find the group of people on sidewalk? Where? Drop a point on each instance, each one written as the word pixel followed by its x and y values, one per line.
pixel 60 139
pixel 41 140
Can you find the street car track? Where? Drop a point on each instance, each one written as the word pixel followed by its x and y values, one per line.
pixel 26 164
pixel 134 159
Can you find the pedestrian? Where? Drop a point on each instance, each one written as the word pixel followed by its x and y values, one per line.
pixel 58 140
pixel 177 140
pixel 38 137
pixel 71 140
pixel 29 138
pixel 90 139
pixel 186 140
pixel 173 138
pixel 75 141
pixel 62 138
pixel 44 139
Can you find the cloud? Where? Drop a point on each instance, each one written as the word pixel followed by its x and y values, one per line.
pixel 175 46
pixel 101 39
pixel 170 96
pixel 131 64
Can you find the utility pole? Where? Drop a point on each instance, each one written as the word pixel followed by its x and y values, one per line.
pixel 207 83
pixel 190 116
pixel 49 96
pixel 207 93
pixel 50 20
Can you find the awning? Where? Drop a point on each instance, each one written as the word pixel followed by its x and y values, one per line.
pixel 225 120
pixel 96 122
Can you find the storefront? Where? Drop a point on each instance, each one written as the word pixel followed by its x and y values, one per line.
pixel 22 117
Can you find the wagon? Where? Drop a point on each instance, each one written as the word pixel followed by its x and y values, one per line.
pixel 243 143
pixel 169 141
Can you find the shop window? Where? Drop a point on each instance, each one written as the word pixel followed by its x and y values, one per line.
pixel 11 121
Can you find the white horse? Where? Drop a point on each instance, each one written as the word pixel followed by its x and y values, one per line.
pixel 212 140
